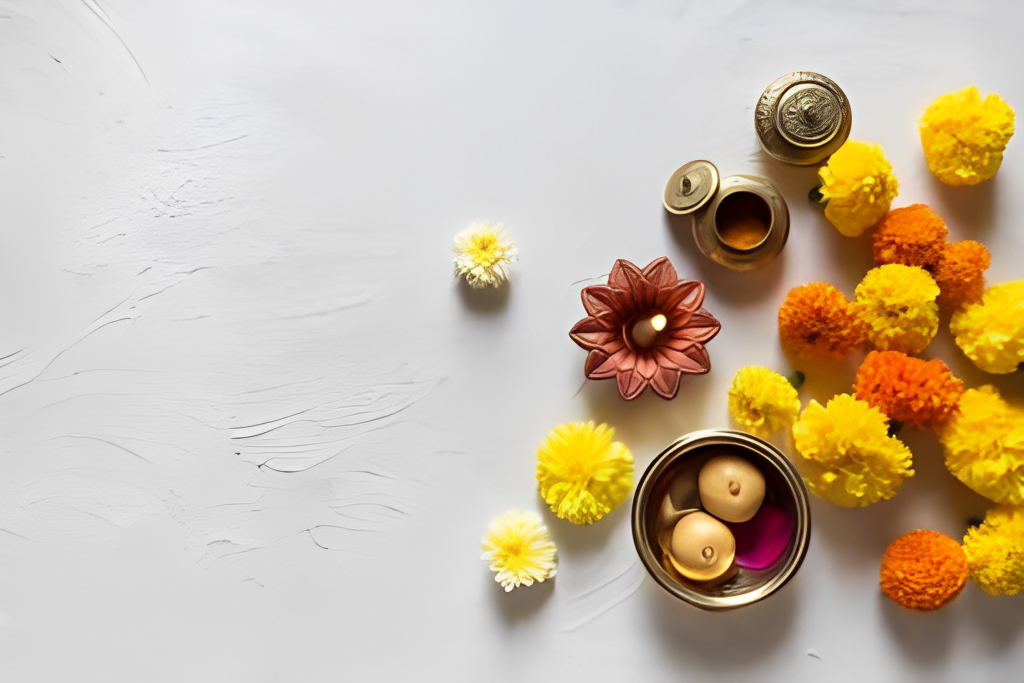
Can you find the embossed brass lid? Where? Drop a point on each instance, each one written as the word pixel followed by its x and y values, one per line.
pixel 691 187
pixel 802 118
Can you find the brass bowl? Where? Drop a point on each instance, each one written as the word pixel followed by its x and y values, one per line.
pixel 672 476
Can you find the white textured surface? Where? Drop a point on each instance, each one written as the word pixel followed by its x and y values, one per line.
pixel 253 431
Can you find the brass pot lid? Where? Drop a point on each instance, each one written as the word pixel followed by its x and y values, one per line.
pixel 691 187
pixel 802 118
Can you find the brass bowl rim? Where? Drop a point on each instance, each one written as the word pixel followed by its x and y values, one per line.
pixel 766 453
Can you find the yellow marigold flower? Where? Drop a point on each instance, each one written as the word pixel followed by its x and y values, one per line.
pixel 761 401
pixel 848 457
pixel 984 445
pixel 858 184
pixel 964 136
pixel 991 333
pixel 519 550
pixel 582 473
pixel 896 304
pixel 995 551
pixel 483 255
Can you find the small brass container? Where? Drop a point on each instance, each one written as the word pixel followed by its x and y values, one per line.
pixel 740 221
pixel 802 118
pixel 668 490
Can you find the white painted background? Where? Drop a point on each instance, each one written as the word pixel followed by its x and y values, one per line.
pixel 252 430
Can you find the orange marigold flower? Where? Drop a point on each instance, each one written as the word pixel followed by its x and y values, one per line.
pixel 911 236
pixel 906 389
pixel 923 570
pixel 960 274
pixel 816 322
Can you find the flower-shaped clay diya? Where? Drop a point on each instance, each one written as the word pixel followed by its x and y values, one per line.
pixel 646 327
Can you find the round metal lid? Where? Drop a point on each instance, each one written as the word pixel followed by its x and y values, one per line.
pixel 691 187
pixel 802 118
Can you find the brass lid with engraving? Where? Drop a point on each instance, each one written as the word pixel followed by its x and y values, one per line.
pixel 690 187
pixel 802 118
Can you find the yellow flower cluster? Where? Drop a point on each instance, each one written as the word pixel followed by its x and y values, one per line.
pixel 484 254
pixel 964 136
pixel 582 473
pixel 991 333
pixel 849 459
pixel 896 303
pixel 858 184
pixel 762 402
pixel 995 551
pixel 519 550
pixel 984 445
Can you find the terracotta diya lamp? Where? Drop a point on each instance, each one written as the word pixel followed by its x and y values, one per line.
pixel 645 328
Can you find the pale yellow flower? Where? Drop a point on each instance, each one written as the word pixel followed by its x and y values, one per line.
pixel 991 333
pixel 995 551
pixel 984 445
pixel 519 550
pixel 964 136
pixel 847 455
pixel 483 255
pixel 858 184
pixel 896 304
pixel 762 401
pixel 582 473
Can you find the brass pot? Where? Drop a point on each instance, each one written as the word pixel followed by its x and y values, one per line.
pixel 672 476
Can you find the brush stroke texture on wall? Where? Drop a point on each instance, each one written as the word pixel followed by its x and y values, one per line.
pixel 252 430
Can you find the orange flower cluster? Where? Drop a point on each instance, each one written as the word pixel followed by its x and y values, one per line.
pixel 910 390
pixel 960 274
pixel 911 236
pixel 816 322
pixel 916 236
pixel 923 570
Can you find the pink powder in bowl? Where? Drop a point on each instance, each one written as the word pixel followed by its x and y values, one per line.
pixel 762 539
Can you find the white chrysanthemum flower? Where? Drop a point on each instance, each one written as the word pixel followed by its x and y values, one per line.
pixel 483 254
pixel 519 550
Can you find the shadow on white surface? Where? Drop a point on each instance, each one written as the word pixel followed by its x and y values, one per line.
pixel 740 638
pixel 650 423
pixel 521 604
pixel 999 618
pixel 485 301
pixel 969 212
pixel 579 542
pixel 926 638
